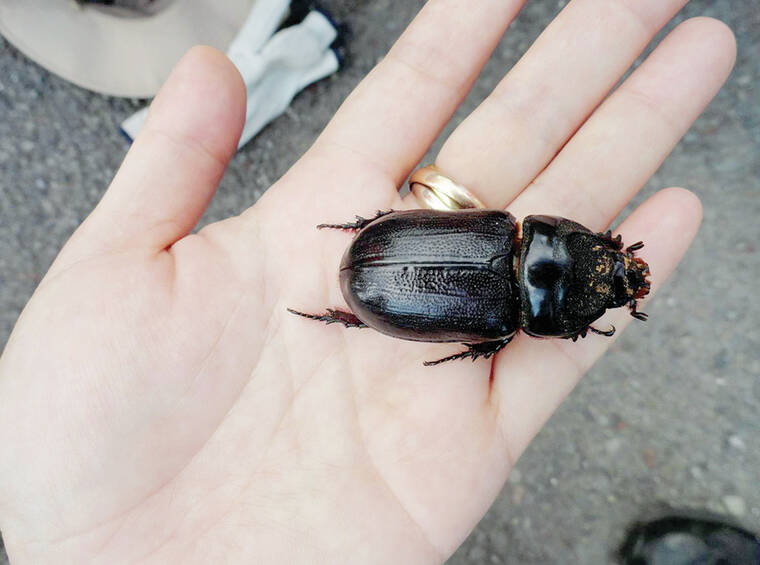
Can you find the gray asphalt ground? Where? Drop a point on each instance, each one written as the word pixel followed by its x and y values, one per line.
pixel 672 413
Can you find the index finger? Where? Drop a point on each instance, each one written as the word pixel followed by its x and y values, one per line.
pixel 390 120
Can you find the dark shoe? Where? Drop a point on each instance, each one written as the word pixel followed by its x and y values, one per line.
pixel 682 538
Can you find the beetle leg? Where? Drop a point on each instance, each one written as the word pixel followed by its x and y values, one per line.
pixel 609 333
pixel 333 316
pixel 635 247
pixel 614 242
pixel 638 315
pixel 584 332
pixel 581 334
pixel 358 224
pixel 486 349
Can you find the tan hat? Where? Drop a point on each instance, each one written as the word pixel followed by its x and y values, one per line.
pixel 103 51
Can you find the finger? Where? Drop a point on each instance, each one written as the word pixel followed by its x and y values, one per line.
pixel 174 166
pixel 533 376
pixel 621 146
pixel 517 130
pixel 388 123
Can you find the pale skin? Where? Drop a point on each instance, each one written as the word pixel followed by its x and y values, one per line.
pixel 160 405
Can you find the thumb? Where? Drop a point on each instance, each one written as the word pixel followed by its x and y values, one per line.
pixel 175 164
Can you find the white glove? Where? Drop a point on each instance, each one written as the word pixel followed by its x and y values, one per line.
pixel 274 68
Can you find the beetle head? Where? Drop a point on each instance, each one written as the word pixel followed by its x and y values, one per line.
pixel 630 277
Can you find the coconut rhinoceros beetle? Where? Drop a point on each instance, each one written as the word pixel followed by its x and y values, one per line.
pixel 468 277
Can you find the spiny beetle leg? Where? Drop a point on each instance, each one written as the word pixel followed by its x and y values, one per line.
pixel 581 334
pixel 584 332
pixel 333 316
pixel 486 349
pixel 614 242
pixel 638 315
pixel 609 333
pixel 358 224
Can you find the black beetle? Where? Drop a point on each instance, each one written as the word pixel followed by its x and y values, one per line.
pixel 467 276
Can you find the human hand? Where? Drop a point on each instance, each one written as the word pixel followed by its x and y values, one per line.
pixel 160 404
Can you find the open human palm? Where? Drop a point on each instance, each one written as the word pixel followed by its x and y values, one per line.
pixel 161 405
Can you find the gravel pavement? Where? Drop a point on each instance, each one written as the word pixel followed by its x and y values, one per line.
pixel 670 415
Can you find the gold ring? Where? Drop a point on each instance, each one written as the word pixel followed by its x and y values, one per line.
pixel 436 191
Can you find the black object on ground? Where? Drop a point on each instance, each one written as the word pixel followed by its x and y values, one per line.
pixel 689 539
